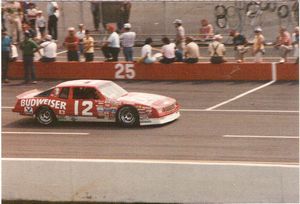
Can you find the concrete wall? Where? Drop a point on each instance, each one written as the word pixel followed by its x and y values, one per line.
pixel 148 181
pixel 157 17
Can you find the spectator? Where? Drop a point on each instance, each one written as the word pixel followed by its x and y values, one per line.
pixel 27 29
pixel 127 39
pixel 191 51
pixel 206 30
pixel 53 15
pixel 111 46
pixel 49 49
pixel 284 44
pixel 217 50
pixel 14 17
pixel 147 57
pixel 80 34
pixel 5 54
pixel 239 42
pixel 29 47
pixel 95 8
pixel 88 42
pixel 180 39
pixel 3 21
pixel 258 45
pixel 124 14
pixel 295 39
pixel 41 23
pixel 71 43
pixel 168 51
pixel 31 15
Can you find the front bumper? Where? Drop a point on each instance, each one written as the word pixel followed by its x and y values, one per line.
pixel 161 120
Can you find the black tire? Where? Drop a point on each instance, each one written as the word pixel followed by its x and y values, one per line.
pixel 221 22
pixel 128 117
pixel 45 116
pixel 220 10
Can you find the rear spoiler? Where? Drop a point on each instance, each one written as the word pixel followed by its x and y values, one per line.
pixel 28 94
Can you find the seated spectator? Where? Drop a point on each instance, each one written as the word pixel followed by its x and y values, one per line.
pixel 147 57
pixel 167 51
pixel 295 39
pixel 217 50
pixel 127 39
pixel 49 49
pixel 111 47
pixel 191 51
pixel 239 42
pixel 88 42
pixel 284 44
pixel 206 30
pixel 71 43
pixel 258 45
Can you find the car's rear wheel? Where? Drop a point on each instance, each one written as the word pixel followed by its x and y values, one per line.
pixel 45 116
pixel 128 117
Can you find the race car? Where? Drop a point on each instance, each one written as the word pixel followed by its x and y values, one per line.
pixel 96 100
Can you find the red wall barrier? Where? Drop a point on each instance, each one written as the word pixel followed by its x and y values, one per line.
pixel 175 71
pixel 287 72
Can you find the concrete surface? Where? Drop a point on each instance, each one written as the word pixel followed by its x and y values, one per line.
pixel 126 181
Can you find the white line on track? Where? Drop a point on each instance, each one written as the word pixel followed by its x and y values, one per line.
pixel 48 133
pixel 261 136
pixel 141 161
pixel 219 110
pixel 241 95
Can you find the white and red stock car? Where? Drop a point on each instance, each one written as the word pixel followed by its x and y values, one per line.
pixel 96 100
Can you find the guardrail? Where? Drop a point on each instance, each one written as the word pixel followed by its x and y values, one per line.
pixel 157 71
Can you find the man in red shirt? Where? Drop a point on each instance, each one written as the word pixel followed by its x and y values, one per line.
pixel 71 43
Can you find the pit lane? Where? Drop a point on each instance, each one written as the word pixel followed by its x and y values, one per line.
pixel 270 114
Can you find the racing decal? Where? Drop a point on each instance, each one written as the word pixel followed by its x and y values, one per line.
pixel 28 110
pixel 49 102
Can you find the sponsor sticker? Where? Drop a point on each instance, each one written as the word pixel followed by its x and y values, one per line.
pixel 61 105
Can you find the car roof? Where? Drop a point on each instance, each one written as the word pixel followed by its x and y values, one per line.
pixel 83 82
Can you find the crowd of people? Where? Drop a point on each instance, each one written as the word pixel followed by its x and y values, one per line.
pixel 28 28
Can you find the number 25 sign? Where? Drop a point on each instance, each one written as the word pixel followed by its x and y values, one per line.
pixel 125 71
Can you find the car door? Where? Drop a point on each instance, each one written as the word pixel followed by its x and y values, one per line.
pixel 84 100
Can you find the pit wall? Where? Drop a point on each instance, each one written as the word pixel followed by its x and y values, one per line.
pixel 148 181
pixel 157 71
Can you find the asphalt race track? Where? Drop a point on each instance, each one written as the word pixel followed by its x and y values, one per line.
pixel 259 127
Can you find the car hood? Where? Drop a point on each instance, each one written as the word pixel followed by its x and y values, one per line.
pixel 29 94
pixel 152 100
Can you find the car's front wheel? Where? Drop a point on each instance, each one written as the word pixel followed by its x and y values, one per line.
pixel 45 116
pixel 128 117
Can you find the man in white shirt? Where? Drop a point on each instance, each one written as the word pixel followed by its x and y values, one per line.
pixel 53 15
pixel 180 39
pixel 191 51
pixel 111 47
pixel 49 48
pixel 168 51
pixel 217 50
pixel 127 39
pixel 14 17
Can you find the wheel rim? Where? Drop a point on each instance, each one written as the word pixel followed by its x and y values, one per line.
pixel 45 116
pixel 127 117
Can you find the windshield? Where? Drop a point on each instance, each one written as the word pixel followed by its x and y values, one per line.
pixel 112 90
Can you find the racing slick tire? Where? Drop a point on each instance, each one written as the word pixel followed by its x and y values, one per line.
pixel 128 117
pixel 45 116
